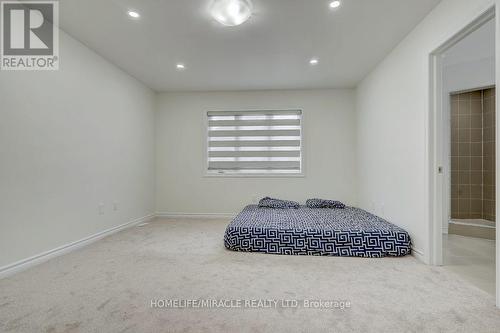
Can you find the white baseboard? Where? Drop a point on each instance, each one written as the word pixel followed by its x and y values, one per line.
pixel 419 254
pixel 196 215
pixel 43 257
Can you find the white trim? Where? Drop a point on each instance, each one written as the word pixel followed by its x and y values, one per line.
pixel 418 254
pixel 24 264
pixel 256 175
pixel 497 151
pixel 172 215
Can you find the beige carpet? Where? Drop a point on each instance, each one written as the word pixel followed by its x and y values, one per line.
pixel 108 287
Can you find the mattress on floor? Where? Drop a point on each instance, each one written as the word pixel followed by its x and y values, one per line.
pixel 315 231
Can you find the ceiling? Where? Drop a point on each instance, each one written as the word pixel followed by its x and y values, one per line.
pixel 270 51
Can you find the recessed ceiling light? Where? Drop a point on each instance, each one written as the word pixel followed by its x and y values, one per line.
pixel 313 61
pixel 335 4
pixel 180 66
pixel 231 12
pixel 133 14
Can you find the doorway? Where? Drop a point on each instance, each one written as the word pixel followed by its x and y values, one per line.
pixel 462 154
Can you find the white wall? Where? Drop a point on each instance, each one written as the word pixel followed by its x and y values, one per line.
pixel 70 139
pixel 470 63
pixel 393 118
pixel 181 133
pixel 474 74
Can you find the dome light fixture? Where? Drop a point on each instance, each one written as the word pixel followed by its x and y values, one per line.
pixel 133 14
pixel 231 12
pixel 335 4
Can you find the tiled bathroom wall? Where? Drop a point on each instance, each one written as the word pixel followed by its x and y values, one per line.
pixel 489 154
pixel 473 155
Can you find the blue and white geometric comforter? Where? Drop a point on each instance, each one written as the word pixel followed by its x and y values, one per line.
pixel 315 231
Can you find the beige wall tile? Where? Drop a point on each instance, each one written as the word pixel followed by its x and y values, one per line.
pixel 488 192
pixel 473 154
pixel 489 119
pixel 464 107
pixel 476 134
pixel 464 163
pixel 464 178
pixel 476 191
pixel 488 105
pixel 476 95
pixel 464 206
pixel 488 207
pixel 454 108
pixel 475 122
pixel 464 149
pixel 476 149
pixel 454 208
pixel 489 134
pixel 464 135
pixel 489 92
pixel 464 96
pixel 489 148
pixel 476 177
pixel 476 206
pixel 476 163
pixel 489 217
pixel 464 191
pixel 488 178
pixel 476 107
pixel 488 163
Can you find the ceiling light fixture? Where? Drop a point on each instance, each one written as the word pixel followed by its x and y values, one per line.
pixel 133 14
pixel 313 61
pixel 231 12
pixel 334 4
pixel 180 66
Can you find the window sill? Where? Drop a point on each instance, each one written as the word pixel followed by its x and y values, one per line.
pixel 250 175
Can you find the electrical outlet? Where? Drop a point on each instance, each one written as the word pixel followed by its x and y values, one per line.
pixel 101 209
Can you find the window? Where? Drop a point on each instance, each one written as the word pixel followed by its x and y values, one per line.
pixel 254 142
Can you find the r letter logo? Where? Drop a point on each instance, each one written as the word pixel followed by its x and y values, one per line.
pixel 30 35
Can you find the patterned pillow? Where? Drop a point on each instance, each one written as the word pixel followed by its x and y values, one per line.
pixel 321 203
pixel 277 203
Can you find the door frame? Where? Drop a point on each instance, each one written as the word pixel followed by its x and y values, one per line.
pixel 438 167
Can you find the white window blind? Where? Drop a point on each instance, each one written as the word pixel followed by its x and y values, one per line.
pixel 255 142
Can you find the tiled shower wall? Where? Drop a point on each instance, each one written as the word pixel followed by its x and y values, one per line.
pixel 489 154
pixel 473 155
